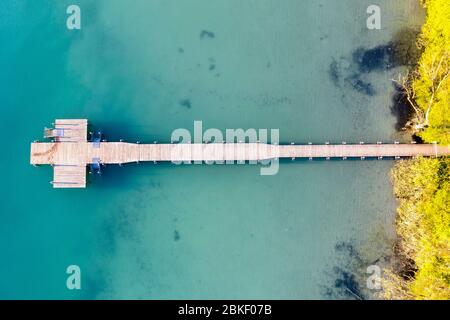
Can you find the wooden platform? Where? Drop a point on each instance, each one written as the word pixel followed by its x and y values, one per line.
pixel 74 130
pixel 70 153
pixel 69 176
pixel 70 172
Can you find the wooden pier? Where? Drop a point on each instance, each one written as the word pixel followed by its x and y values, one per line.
pixel 70 152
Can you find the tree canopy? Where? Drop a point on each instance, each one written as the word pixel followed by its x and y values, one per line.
pixel 423 185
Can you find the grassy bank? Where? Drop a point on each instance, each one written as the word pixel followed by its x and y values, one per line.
pixel 422 266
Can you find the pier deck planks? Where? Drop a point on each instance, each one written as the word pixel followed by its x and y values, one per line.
pixel 70 153
pixel 83 153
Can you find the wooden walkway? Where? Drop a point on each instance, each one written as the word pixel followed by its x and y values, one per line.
pixel 70 152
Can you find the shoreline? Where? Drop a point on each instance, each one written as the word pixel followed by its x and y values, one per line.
pixel 420 262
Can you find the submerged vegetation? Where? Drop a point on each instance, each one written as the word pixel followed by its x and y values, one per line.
pixel 422 266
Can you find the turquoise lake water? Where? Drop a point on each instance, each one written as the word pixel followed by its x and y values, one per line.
pixel 140 69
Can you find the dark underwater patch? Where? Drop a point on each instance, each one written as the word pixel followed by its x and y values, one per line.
pixel 402 50
pixel 375 59
pixel 361 86
pixel 347 282
pixel 348 249
pixel 186 103
pixel 207 34
pixel 176 235
pixel 406 52
pixel 401 108
pixel 333 72
pixel 354 80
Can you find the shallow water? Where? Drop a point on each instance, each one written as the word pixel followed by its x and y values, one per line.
pixel 138 71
